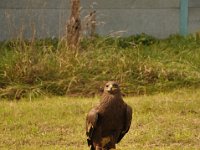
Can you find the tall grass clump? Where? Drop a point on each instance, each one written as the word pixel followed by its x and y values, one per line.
pixel 142 64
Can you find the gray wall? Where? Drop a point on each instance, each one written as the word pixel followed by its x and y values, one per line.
pixel 194 16
pixel 47 18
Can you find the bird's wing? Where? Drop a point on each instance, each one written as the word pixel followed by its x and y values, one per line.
pixel 91 123
pixel 127 123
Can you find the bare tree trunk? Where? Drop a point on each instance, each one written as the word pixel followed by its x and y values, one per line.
pixel 93 24
pixel 74 26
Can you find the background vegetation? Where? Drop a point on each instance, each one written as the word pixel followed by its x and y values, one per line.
pixel 168 69
pixel 142 64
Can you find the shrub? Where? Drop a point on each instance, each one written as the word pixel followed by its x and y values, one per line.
pixel 141 64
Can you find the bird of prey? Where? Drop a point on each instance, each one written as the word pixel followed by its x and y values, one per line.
pixel 108 122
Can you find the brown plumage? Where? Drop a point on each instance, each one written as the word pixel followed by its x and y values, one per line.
pixel 108 122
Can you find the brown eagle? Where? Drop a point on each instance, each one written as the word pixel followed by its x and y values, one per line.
pixel 107 123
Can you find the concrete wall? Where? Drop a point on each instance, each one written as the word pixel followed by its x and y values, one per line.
pixel 194 16
pixel 47 18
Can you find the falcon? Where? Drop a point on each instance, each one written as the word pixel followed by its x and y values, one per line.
pixel 109 121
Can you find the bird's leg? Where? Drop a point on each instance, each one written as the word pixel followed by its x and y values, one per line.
pixel 99 148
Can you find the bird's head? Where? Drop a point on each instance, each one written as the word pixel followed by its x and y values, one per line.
pixel 112 87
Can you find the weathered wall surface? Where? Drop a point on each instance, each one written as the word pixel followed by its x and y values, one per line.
pixel 47 18
pixel 194 16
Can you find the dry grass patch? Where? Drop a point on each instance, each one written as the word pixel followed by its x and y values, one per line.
pixel 162 121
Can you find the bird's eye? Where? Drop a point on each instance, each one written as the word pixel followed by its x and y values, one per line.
pixel 107 85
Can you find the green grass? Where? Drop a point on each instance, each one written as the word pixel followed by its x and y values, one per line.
pixel 141 64
pixel 161 121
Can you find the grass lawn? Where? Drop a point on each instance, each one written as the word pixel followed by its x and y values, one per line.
pixel 161 121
